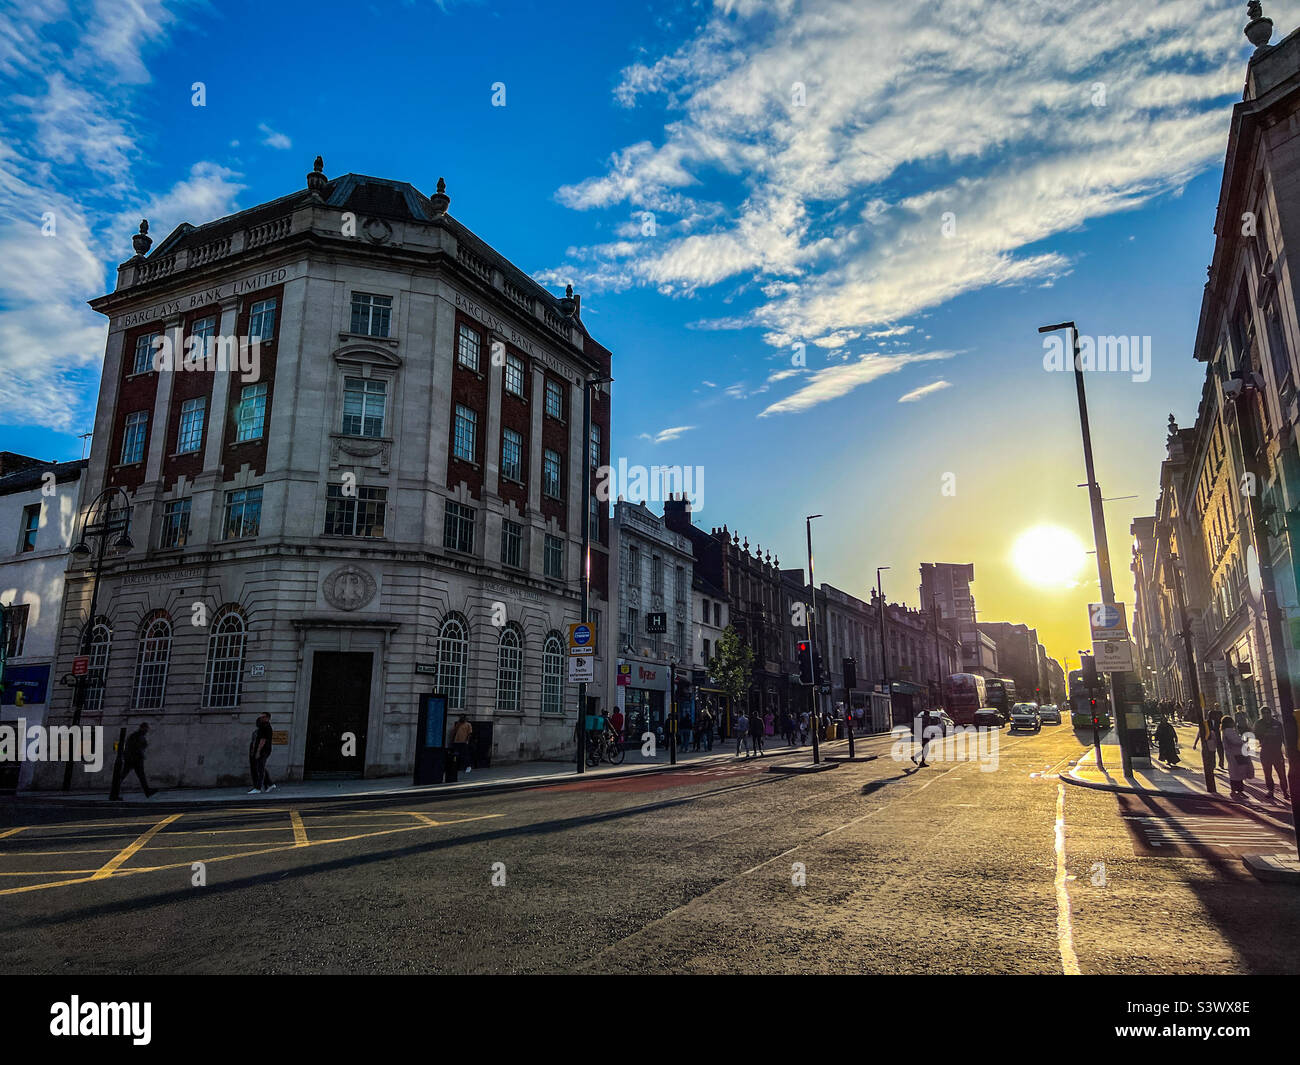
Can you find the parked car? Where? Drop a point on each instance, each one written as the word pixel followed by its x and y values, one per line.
pixel 988 717
pixel 1026 716
pixel 938 718
pixel 1051 713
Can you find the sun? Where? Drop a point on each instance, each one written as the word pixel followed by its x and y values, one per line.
pixel 1049 557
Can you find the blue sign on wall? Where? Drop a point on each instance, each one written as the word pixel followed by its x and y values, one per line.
pixel 32 681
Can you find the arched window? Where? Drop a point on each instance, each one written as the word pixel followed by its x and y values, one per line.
pixel 101 637
pixel 453 659
pixel 151 663
pixel 226 642
pixel 552 666
pixel 510 670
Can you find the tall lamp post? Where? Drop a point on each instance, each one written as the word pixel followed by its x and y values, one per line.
pixel 1118 681
pixel 812 644
pixel 108 517
pixel 1193 682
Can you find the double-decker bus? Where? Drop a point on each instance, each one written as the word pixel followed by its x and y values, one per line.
pixel 1080 707
pixel 966 693
pixel 1002 694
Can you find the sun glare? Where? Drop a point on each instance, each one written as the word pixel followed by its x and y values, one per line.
pixel 1049 557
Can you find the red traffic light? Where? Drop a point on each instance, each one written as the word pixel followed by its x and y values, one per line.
pixel 803 646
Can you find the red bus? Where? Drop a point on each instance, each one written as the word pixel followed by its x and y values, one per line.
pixel 966 693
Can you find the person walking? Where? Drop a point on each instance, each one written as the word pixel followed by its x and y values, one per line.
pixel 1210 737
pixel 704 730
pixel 803 727
pixel 1243 723
pixel 1214 718
pixel 1167 741
pixel 1268 731
pixel 688 728
pixel 460 737
pixel 133 756
pixel 928 722
pixel 259 751
pixel 756 730
pixel 742 732
pixel 1240 766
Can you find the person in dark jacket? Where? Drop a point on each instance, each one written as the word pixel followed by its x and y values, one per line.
pixel 133 756
pixel 1268 732
pixel 756 730
pixel 928 722
pixel 1214 718
pixel 1167 740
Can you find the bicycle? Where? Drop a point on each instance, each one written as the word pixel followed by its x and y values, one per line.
pixel 604 744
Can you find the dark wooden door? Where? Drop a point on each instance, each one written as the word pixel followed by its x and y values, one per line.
pixel 340 704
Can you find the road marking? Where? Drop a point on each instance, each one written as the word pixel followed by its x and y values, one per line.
pixel 230 857
pixel 124 855
pixel 1064 927
pixel 11 831
pixel 299 832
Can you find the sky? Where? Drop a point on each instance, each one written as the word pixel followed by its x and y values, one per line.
pixel 819 237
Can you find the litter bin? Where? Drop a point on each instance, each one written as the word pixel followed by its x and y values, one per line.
pixel 830 730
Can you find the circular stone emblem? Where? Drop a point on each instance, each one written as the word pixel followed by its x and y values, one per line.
pixel 349 588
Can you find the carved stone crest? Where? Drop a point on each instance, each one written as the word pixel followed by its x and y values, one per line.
pixel 349 588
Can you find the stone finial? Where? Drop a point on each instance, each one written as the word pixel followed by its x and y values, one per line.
pixel 1260 28
pixel 142 242
pixel 1173 427
pixel 316 180
pixel 568 302
pixel 440 200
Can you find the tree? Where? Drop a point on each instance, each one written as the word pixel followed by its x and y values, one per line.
pixel 732 667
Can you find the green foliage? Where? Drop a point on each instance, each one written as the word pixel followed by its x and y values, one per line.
pixel 732 667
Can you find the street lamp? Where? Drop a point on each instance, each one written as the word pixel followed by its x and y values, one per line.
pixel 812 643
pixel 109 515
pixel 1117 680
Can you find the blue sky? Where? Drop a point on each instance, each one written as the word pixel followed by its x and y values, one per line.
pixel 1074 149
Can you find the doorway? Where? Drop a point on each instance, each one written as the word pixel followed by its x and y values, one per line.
pixel 340 704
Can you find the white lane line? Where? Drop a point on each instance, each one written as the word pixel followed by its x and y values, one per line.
pixel 1064 926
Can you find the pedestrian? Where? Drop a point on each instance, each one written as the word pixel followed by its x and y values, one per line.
pixel 1243 723
pixel 769 724
pixel 756 728
pixel 133 756
pixel 704 730
pixel 1215 717
pixel 1240 766
pixel 259 751
pixel 688 729
pixel 928 722
pixel 460 737
pixel 742 733
pixel 1268 731
pixel 803 728
pixel 1207 734
pixel 787 728
pixel 1167 740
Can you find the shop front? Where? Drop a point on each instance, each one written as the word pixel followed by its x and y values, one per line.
pixel 642 694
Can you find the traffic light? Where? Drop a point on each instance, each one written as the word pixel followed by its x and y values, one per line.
pixel 1096 718
pixel 1089 666
pixel 682 690
pixel 850 674
pixel 805 662
pixel 819 671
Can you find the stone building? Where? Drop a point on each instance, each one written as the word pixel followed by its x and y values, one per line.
pixel 38 517
pixel 1230 489
pixel 360 478
pixel 654 573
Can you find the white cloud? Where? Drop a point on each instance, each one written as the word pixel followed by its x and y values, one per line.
pixel 924 390
pixel 835 381
pixel 272 139
pixel 664 435
pixel 983 110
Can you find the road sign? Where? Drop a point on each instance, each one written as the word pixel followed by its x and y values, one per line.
pixel 81 665
pixel 1113 656
pixel 582 669
pixel 1107 621
pixel 582 640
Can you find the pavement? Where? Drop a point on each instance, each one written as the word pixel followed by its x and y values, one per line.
pixel 512 777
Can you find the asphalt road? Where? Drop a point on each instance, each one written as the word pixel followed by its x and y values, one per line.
pixel 872 867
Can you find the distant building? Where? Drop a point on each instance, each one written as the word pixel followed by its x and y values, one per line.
pixel 39 503
pixel 947 584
